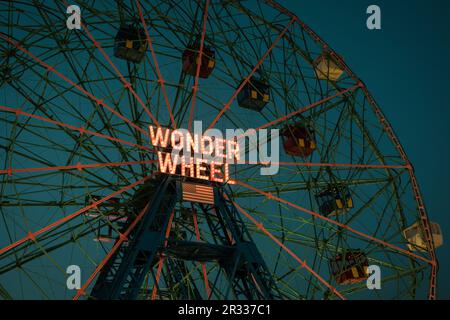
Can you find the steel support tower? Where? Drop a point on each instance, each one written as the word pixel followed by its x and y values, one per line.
pixel 232 248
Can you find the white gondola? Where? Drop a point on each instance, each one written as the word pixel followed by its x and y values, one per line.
pixel 416 239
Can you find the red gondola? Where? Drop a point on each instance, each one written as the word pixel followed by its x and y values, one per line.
pixel 298 141
pixel 191 57
pixel 350 267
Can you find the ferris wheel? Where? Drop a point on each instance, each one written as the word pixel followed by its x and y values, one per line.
pixel 81 182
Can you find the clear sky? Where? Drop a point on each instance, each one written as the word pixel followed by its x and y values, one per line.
pixel 406 67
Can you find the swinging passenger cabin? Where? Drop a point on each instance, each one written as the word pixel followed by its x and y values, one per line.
pixel 326 68
pixel 255 95
pixel 417 240
pixel 334 200
pixel 298 140
pixel 349 267
pixel 130 44
pixel 191 59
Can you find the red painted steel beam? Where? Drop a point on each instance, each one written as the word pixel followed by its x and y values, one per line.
pixel 122 237
pixel 52 69
pixel 425 221
pixel 329 165
pixel 79 166
pixel 162 258
pixel 307 108
pixel 197 235
pixel 155 61
pixel 32 235
pixel 199 64
pixel 126 84
pixel 81 130
pixel 247 79
pixel 341 225
pixel 303 263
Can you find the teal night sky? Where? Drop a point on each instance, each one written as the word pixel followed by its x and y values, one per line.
pixel 406 67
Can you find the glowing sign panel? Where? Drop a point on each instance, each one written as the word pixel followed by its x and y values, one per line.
pixel 210 156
